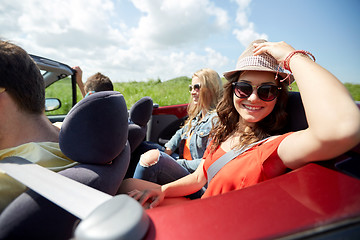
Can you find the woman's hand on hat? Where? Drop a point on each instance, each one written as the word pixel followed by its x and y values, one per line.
pixel 279 50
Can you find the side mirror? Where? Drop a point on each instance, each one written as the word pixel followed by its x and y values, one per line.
pixel 52 104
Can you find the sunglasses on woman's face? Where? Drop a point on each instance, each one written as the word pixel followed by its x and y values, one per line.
pixel 266 92
pixel 196 87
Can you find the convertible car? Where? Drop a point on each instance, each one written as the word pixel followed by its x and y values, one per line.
pixel 318 201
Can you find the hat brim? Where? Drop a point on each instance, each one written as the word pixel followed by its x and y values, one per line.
pixel 230 74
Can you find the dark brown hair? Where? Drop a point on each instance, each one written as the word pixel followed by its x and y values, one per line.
pixel 21 78
pixel 229 119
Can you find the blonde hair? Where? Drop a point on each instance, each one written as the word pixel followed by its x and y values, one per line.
pixel 210 93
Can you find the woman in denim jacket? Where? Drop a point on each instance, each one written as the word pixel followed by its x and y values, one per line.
pixel 192 139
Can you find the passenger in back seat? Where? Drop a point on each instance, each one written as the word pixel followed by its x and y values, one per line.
pixel 251 116
pixel 192 139
pixel 25 130
pixel 95 83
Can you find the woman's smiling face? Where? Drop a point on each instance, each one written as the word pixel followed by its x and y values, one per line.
pixel 252 109
pixel 195 93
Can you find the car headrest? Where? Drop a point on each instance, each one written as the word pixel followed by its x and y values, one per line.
pixel 296 113
pixel 141 111
pixel 95 130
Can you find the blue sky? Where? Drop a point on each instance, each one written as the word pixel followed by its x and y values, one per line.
pixel 148 39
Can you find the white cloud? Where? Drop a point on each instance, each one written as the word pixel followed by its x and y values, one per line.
pixel 247 33
pixel 93 35
pixel 174 23
pixel 242 12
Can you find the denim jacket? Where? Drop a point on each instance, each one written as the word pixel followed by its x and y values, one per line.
pixel 200 138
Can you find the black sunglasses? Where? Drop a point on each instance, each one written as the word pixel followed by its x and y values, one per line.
pixel 266 92
pixel 195 86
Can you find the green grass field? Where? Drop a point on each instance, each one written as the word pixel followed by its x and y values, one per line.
pixel 171 92
pixel 176 91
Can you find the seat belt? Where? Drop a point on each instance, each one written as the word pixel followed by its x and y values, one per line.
pixel 120 217
pixel 227 157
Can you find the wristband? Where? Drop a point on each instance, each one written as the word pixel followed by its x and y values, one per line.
pixel 287 59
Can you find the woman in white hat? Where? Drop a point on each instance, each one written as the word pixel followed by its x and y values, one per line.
pixel 250 115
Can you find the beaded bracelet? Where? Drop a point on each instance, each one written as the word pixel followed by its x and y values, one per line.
pixel 287 59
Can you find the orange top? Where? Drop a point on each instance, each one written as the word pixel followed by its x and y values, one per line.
pixel 259 163
pixel 186 151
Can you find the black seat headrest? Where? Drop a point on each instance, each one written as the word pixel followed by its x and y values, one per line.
pixel 141 111
pixel 296 113
pixel 95 130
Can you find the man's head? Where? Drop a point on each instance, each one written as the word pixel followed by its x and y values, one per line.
pixel 97 83
pixel 21 78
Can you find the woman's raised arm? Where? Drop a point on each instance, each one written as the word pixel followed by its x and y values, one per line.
pixel 332 115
